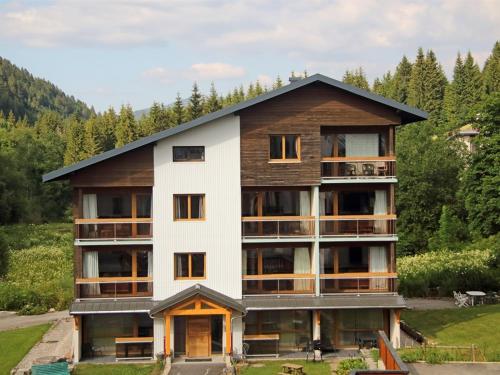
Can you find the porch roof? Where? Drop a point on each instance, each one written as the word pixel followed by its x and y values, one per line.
pixel 193 291
pixel 371 301
pixel 111 306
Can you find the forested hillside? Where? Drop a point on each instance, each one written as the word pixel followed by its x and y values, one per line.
pixel 446 197
pixel 24 95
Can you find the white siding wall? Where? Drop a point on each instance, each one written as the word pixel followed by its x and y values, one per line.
pixel 219 236
pixel 159 334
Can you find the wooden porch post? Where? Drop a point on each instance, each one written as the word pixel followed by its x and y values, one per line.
pixel 167 334
pixel 228 333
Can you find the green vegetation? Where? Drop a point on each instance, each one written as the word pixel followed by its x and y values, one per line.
pixel 456 327
pixel 375 354
pixel 273 367
pixel 448 271
pixel 40 265
pixel 116 369
pixel 16 343
pixel 345 366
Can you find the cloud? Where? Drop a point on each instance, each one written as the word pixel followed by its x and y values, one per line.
pixel 196 72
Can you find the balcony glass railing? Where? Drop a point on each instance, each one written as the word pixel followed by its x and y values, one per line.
pixel 278 284
pixel 356 168
pixel 358 226
pixel 277 226
pixel 373 282
pixel 113 229
pixel 114 287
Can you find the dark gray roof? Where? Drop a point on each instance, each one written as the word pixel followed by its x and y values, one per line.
pixel 324 302
pixel 408 114
pixel 111 306
pixel 201 290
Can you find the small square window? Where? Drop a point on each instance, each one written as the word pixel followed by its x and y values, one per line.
pixel 189 153
pixel 189 207
pixel 189 265
pixel 284 147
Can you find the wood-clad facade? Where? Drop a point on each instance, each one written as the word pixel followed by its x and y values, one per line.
pixel 303 111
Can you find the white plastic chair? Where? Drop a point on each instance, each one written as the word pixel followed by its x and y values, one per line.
pixel 461 300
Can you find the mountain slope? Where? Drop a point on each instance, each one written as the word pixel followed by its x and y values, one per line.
pixel 24 94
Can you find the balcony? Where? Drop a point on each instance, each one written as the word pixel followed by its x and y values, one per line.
pixel 136 230
pixel 370 282
pixel 346 226
pixel 362 169
pixel 278 284
pixel 114 287
pixel 277 227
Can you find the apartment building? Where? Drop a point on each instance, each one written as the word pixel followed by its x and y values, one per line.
pixel 271 223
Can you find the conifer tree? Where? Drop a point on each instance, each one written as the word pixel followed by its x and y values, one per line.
pixel 195 106
pixel 278 83
pixel 178 110
pixel 126 130
pixel 91 144
pixel 401 81
pixel 384 86
pixel 417 81
pixel 356 78
pixel 258 88
pixel 213 102
pixel 108 123
pixel 491 71
pixel 250 91
pixel 74 141
pixel 11 120
pixel 241 94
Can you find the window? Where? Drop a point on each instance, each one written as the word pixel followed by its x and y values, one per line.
pixel 189 266
pixel 284 147
pixel 189 207
pixel 189 153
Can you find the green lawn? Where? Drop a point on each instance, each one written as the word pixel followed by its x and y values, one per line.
pixel 16 343
pixel 114 369
pixel 273 367
pixel 475 325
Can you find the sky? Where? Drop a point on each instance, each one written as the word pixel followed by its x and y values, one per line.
pixel 114 52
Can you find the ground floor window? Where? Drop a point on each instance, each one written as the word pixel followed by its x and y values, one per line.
pixel 294 328
pixel 101 334
pixel 344 328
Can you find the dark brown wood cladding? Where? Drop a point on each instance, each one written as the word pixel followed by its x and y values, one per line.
pixel 134 168
pixel 303 112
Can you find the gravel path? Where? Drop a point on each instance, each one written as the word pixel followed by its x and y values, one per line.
pixel 430 303
pixel 56 342
pixel 10 320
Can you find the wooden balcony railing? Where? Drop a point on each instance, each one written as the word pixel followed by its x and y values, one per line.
pixel 358 226
pixel 113 229
pixel 134 347
pixel 370 282
pixel 278 284
pixel 356 167
pixel 390 357
pixel 114 287
pixel 277 226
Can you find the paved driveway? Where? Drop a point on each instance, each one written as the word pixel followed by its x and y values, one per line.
pixel 10 320
pixel 197 369
pixel 455 369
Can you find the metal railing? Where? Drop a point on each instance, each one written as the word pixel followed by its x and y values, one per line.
pixel 278 284
pixel 358 226
pixel 114 287
pixel 113 229
pixel 356 168
pixel 373 282
pixel 277 226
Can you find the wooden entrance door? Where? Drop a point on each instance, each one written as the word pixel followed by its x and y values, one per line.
pixel 198 337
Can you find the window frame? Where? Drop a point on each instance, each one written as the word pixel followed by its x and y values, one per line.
pixel 283 158
pixel 189 198
pixel 188 160
pixel 190 266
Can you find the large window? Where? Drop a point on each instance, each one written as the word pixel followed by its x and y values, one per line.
pixel 189 207
pixel 284 147
pixel 353 202
pixel 353 259
pixel 189 266
pixel 189 153
pixel 353 145
pixel 276 203
pixel 284 260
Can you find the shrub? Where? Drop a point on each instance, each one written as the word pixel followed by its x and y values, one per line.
pixel 447 271
pixel 345 366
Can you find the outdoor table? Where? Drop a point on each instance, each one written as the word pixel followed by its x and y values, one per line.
pixel 268 337
pixel 473 294
pixel 291 368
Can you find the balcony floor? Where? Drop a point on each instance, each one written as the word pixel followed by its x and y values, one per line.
pixel 114 241
pixel 359 180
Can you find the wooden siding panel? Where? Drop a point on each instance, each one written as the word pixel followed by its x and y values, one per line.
pixel 301 112
pixel 134 168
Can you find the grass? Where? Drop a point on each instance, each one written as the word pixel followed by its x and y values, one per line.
pixel 460 327
pixel 116 369
pixel 273 367
pixel 16 343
